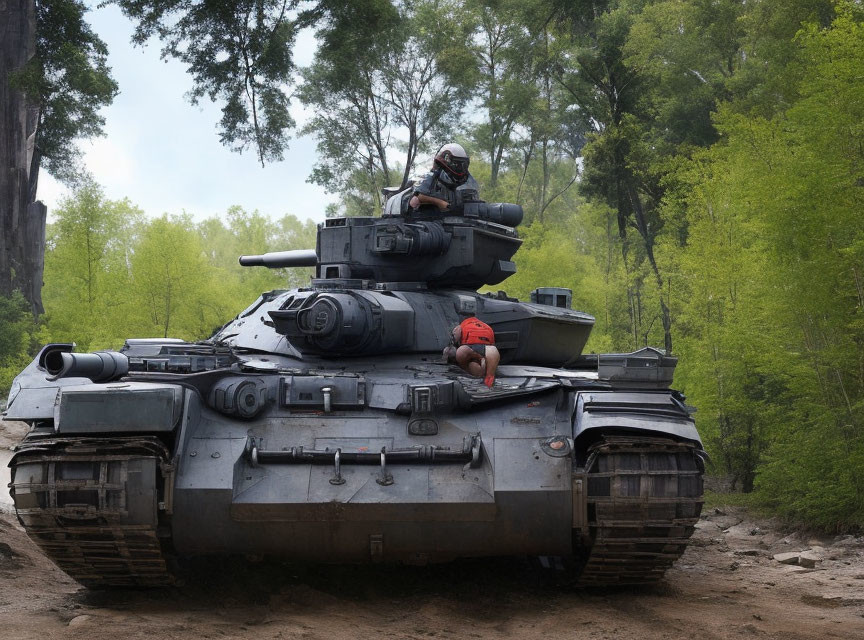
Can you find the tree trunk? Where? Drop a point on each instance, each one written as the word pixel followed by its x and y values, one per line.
pixel 22 221
pixel 496 164
pixel 648 240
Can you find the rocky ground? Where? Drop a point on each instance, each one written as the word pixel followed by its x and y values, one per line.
pixel 741 577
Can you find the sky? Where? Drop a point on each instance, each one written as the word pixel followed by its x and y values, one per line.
pixel 164 154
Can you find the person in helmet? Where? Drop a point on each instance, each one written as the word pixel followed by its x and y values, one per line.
pixel 449 183
pixel 472 347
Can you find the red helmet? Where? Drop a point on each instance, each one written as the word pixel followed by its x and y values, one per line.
pixel 453 160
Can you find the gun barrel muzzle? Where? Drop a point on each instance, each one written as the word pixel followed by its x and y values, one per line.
pixel 505 213
pixel 281 259
pixel 100 366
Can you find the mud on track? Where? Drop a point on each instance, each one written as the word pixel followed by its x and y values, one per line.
pixel 727 585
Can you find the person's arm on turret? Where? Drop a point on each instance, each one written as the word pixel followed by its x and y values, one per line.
pixel 420 199
pixel 423 192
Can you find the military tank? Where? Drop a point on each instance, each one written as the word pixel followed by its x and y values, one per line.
pixel 322 425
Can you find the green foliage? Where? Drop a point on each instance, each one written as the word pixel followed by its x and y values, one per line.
pixel 253 233
pixel 239 53
pixel 69 79
pixel 505 54
pixel 717 500
pixel 86 272
pixel 568 252
pixel 112 274
pixel 16 321
pixel 16 338
pixel 404 87
pixel 173 287
pixel 769 297
pixel 737 130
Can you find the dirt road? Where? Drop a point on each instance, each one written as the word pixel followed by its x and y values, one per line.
pixel 727 585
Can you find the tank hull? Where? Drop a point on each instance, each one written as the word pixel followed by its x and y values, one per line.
pixel 512 500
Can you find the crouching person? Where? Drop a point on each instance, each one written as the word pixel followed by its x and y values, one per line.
pixel 472 347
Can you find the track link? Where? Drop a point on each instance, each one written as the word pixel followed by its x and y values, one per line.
pixel 644 498
pixel 91 506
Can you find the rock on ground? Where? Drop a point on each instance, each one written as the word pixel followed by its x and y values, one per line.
pixel 787 558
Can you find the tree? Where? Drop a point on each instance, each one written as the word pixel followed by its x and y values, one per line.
pixel 112 274
pixel 405 87
pixel 595 74
pixel 240 53
pixel 253 233
pixel 16 338
pixel 649 75
pixel 768 292
pixel 89 247
pixel 236 52
pixel 17 126
pixel 503 49
pixel 175 291
pixel 53 81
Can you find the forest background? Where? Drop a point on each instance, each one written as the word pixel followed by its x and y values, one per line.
pixel 692 169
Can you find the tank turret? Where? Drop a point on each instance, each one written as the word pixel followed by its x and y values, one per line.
pixel 464 251
pixel 374 277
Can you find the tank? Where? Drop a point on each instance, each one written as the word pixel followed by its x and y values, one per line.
pixel 322 425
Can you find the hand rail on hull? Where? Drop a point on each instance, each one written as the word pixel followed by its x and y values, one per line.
pixel 468 452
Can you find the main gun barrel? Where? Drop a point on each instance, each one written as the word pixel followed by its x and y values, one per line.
pixel 99 366
pixel 280 259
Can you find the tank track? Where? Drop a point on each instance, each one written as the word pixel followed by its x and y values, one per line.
pixel 644 497
pixel 91 507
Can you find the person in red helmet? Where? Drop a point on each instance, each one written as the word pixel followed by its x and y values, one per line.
pixel 449 183
pixel 473 349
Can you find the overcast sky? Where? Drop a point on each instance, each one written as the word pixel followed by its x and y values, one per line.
pixel 164 154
